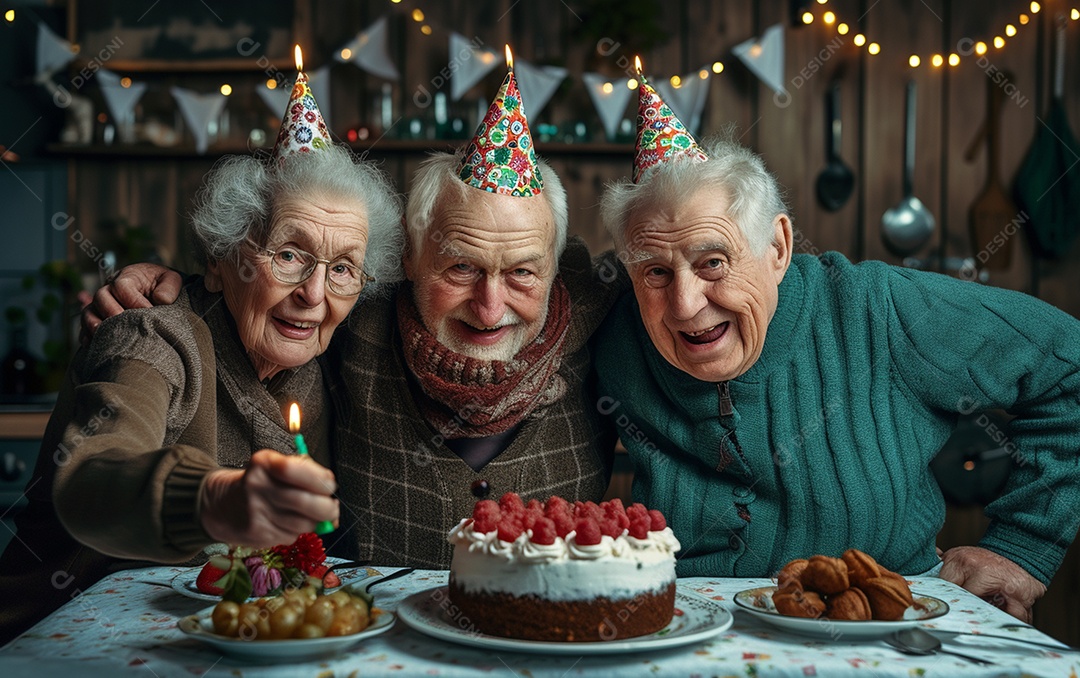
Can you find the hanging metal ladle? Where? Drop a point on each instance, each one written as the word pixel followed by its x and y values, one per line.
pixel 906 227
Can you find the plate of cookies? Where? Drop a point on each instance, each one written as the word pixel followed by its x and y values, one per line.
pixel 850 598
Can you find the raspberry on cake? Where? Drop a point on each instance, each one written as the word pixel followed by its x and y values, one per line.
pixel 556 571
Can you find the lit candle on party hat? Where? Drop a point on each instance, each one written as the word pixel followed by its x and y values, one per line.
pixel 298 56
pixel 325 526
pixel 509 58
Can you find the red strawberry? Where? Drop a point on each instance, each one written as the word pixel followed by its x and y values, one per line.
pixel 610 527
pixel 556 504
pixel 509 530
pixel 564 523
pixel 657 519
pixel 486 516
pixel 207 577
pixel 615 505
pixel 543 532
pixel 588 532
pixel 330 579
pixel 534 505
pixel 530 517
pixel 639 526
pixel 511 503
pixel 637 509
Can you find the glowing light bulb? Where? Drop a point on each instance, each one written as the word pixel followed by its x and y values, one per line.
pixel 425 29
pixel 9 15
pixel 1075 14
pixel 271 84
pixel 937 60
pixel 226 89
pixel 608 88
pixel 718 67
pixel 631 84
pixel 842 29
pixel 676 81
pixel 980 48
pixel 829 18
pixel 873 48
pixel 999 41
pixel 125 82
pixel 807 18
pixel 954 59
pixel 417 15
pixel 1010 30
pixel 914 61
pixel 1024 19
pixel 346 54
pixel 860 40
pixel 1035 7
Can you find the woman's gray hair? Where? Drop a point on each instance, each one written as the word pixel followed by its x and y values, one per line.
pixel 240 192
pixel 752 193
pixel 439 173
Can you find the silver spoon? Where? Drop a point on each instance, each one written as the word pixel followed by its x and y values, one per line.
pixel 918 642
pixel 906 227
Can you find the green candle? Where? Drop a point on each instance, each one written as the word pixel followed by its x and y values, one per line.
pixel 325 526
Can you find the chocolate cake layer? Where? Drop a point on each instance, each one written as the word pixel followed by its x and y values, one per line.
pixel 533 618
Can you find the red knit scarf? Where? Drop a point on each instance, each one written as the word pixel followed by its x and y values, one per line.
pixel 466 397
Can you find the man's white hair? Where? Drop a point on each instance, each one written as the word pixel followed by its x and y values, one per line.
pixel 439 174
pixel 735 172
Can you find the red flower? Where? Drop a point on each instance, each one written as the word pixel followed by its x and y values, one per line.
pixel 305 554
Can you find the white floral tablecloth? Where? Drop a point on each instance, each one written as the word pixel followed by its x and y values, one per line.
pixel 126 625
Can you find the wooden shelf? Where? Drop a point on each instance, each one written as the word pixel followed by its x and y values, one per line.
pixel 383 146
pixel 17 425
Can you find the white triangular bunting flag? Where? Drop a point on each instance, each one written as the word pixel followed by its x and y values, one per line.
pixel 107 77
pixel 610 105
pixel 688 100
pixel 276 99
pixel 369 51
pixel 121 100
pixel 537 84
pixel 472 64
pixel 200 112
pixel 53 52
pixel 319 81
pixel 765 57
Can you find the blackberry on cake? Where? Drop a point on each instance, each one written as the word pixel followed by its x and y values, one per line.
pixel 556 571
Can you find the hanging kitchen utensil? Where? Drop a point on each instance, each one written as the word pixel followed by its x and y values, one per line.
pixel 993 211
pixel 906 227
pixel 836 181
pixel 1048 183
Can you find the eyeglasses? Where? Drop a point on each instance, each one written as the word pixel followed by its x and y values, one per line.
pixel 294 266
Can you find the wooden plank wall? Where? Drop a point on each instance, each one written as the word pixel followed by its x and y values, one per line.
pixel 789 134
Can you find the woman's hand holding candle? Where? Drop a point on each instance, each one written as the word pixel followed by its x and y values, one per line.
pixel 272 501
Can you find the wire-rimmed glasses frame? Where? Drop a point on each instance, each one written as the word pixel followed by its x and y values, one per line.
pixel 282 270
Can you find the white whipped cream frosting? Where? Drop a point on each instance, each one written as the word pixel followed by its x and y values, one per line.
pixel 617 567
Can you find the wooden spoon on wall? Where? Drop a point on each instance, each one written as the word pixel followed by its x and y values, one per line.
pixel 993 210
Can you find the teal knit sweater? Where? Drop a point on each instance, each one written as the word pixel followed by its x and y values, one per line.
pixel 825 443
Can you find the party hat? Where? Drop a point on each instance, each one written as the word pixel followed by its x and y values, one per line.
pixel 661 135
pixel 501 158
pixel 303 129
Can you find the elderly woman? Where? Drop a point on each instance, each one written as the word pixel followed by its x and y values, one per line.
pixel 169 435
pixel 786 405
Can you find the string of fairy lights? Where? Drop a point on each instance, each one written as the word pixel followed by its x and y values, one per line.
pixel 937 59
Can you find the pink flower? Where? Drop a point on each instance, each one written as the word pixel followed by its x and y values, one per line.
pixel 264 579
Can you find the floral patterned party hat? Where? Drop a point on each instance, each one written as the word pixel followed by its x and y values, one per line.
pixel 501 158
pixel 303 129
pixel 661 136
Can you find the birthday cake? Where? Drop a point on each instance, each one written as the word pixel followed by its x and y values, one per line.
pixel 555 571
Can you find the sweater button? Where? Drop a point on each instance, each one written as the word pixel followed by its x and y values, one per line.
pixel 743 495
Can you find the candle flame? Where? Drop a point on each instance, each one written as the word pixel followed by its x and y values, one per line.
pixel 509 58
pixel 637 64
pixel 294 418
pixel 299 57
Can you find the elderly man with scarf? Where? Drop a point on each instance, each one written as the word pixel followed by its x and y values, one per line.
pixel 473 377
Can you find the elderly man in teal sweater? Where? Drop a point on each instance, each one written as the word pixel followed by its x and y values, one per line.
pixel 777 406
